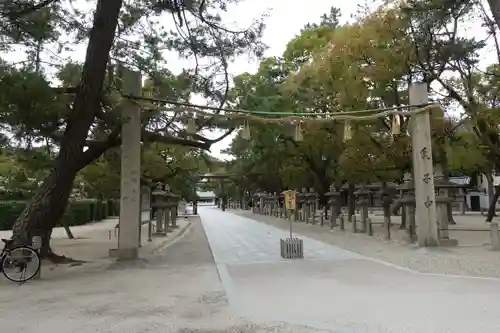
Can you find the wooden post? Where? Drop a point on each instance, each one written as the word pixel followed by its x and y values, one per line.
pixel 423 171
pixel 130 191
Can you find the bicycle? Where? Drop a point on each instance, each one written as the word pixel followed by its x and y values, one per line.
pixel 18 258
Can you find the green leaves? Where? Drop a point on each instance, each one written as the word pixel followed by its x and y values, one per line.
pixel 363 65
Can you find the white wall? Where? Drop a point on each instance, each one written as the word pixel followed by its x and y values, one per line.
pixel 483 192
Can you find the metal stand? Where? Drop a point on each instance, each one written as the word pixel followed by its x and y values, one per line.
pixel 292 247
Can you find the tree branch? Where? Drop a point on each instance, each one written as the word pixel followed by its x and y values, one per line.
pixel 27 9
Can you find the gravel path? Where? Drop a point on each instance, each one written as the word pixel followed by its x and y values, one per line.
pixel 176 291
pixel 471 261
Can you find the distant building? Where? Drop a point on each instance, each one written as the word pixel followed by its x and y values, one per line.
pixel 477 197
pixel 207 197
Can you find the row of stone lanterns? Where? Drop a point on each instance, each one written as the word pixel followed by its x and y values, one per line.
pixel 165 207
pixel 273 204
pixel 307 206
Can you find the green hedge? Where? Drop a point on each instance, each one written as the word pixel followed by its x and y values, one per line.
pixel 77 213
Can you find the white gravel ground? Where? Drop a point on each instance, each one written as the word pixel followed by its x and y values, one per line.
pixel 178 291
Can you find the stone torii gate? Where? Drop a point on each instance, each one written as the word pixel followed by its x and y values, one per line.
pixel 221 178
pixel 129 225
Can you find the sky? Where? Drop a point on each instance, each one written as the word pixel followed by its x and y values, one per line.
pixel 284 21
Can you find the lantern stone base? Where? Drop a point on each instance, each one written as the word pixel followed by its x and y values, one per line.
pixel 124 254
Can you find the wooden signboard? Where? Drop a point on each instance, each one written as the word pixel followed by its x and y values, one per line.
pixel 290 196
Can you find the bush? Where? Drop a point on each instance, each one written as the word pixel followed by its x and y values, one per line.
pixel 9 211
pixel 77 213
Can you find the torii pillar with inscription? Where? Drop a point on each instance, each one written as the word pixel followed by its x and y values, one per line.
pixel 423 170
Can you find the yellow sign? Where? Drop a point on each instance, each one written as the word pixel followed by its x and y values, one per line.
pixel 289 199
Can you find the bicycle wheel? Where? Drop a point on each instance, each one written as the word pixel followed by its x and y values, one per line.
pixel 20 264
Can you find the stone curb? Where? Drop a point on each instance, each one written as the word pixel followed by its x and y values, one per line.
pixel 169 242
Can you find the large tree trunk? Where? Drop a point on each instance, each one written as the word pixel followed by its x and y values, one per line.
pixel 493 204
pixel 495 10
pixel 49 203
pixel 491 195
pixel 45 209
pixel 68 230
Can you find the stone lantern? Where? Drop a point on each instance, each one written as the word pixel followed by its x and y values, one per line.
pixel 333 202
pixel 313 203
pixel 172 204
pixel 159 205
pixel 363 195
pixel 443 199
pixel 255 200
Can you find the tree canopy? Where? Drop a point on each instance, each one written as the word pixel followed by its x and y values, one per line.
pixel 369 63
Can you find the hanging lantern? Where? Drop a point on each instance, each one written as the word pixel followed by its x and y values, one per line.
pixel 191 126
pixel 347 131
pixel 298 133
pixel 396 125
pixel 245 133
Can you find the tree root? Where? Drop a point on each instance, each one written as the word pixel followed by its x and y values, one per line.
pixel 61 260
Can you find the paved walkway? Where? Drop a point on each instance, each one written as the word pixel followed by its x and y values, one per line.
pixel 334 289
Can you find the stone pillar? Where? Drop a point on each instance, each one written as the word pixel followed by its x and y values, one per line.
pixel 427 231
pixel 130 192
